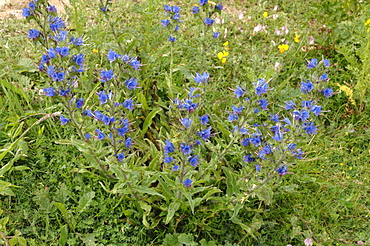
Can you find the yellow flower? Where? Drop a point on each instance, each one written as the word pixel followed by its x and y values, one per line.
pixel 227 48
pixel 226 43
pixel 222 56
pixel 95 51
pixel 367 22
pixel 348 91
pixel 265 14
pixel 296 38
pixel 283 48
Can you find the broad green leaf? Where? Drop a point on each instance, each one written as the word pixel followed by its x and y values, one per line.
pixel 231 182
pixel 190 199
pixel 174 206
pixel 146 190
pixel 187 239
pixel 85 201
pixel 63 235
pixel 149 119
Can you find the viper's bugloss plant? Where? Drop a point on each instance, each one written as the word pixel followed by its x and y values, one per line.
pixel 207 160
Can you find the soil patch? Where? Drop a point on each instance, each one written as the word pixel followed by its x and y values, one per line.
pixel 13 8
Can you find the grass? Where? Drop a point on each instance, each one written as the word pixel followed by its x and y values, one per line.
pixel 55 196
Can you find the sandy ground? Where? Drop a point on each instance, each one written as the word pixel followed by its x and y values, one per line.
pixel 13 8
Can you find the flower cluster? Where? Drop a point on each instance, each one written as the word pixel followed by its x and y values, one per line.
pixel 264 137
pixel 173 12
pixel 195 128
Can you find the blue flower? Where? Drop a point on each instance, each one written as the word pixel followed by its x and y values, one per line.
pixel 302 115
pixel 103 98
pixel 206 133
pixel 79 103
pixel 129 104
pixel 56 23
pixel 324 77
pixel 76 41
pixel 33 34
pixel 203 2
pixel 208 22
pixel 232 117
pixel 51 72
pixel 258 168
pixel 199 78
pixel 167 159
pixel 87 136
pixel 282 170
pixel 237 110
pixel 64 51
pixel 219 6
pixel 248 158
pixel 306 86
pixel 316 110
pixel 175 9
pixel 256 141
pixel 120 157
pixel 128 142
pixel 98 115
pixel 169 147
pixel 45 59
pixel 274 117
pixel 195 10
pixel 186 149
pixel 188 182
pixel 32 5
pixel 171 39
pixel 135 64
pixel 239 92
pixel 216 34
pixel 122 131
pixel 61 36
pixel 327 92
pixel 261 87
pixel 131 83
pixel 26 12
pixel 51 8
pixel 106 75
pixel 175 168
pixel 186 122
pixel 204 119
pixel 63 92
pixel 112 55
pixel 193 160
pixel 278 135
pixel 60 76
pixel 326 63
pixel 100 134
pixel 50 92
pixel 307 104
pixel 165 23
pixel 63 120
pixel 312 63
pixel 79 59
pixel 263 104
pixel 310 128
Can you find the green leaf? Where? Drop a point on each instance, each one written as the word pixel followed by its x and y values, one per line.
pixel 63 235
pixel 191 201
pixel 187 239
pixel 149 119
pixel 146 190
pixel 85 201
pixel 230 182
pixel 174 206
